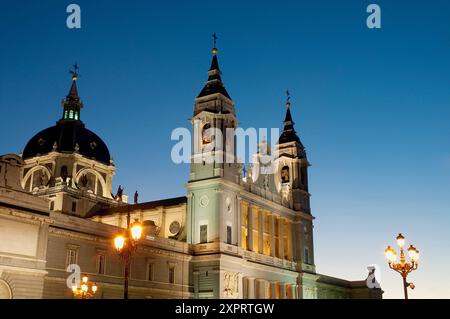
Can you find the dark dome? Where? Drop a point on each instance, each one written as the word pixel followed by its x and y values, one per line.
pixel 67 134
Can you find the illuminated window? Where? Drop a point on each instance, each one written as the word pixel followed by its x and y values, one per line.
pixel 71 114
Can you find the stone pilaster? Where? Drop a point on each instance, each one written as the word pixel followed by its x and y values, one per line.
pixel 261 231
pixel 250 228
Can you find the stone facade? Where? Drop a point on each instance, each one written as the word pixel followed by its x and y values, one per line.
pixel 238 233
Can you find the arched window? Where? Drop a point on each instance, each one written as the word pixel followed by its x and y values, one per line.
pixel 64 172
pixel 71 114
pixel 285 174
pixel 206 134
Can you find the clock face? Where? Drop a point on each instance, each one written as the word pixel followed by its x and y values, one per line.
pixel 204 201
pixel 174 227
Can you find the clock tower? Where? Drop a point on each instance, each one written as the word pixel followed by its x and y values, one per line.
pixel 214 175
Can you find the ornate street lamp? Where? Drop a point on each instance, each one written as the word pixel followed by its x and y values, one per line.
pixel 126 245
pixel 403 267
pixel 84 291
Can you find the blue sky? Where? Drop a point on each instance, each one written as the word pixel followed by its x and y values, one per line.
pixel 371 106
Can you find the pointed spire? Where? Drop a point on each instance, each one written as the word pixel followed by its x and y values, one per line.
pixel 288 134
pixel 214 83
pixel 72 103
pixel 73 89
pixel 288 118
pixel 214 64
pixel 73 93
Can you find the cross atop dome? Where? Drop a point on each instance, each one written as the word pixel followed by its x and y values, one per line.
pixel 74 72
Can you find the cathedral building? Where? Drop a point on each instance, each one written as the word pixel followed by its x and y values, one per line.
pixel 238 233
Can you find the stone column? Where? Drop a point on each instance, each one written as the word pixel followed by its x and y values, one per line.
pixel 273 290
pixel 250 288
pixel 260 289
pixel 281 236
pixel 261 231
pixel 238 231
pixel 293 290
pixel 250 228
pixel 289 240
pixel 272 235
pixel 282 290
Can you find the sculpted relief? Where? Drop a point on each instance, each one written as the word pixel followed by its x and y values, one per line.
pixel 231 284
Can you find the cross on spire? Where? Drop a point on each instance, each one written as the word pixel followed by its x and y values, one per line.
pixel 74 72
pixel 214 50
pixel 288 99
pixel 215 38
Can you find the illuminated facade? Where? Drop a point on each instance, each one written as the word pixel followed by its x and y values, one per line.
pixel 238 233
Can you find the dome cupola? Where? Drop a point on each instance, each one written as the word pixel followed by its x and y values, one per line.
pixel 69 135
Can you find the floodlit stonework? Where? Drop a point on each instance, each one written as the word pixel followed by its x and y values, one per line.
pixel 236 234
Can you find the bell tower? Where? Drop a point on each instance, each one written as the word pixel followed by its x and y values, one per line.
pixel 293 166
pixel 293 186
pixel 214 174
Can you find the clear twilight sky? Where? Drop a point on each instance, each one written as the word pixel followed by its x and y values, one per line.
pixel 372 107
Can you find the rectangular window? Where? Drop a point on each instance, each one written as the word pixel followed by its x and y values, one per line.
pixel 306 257
pixel 171 274
pixel 52 205
pixel 229 235
pixel 203 233
pixel 71 257
pixel 74 207
pixel 101 260
pixel 150 274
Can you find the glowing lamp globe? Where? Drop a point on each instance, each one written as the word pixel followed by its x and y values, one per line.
pixel 391 255
pixel 119 243
pixel 400 240
pixel 136 230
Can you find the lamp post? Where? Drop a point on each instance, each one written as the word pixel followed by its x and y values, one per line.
pixel 126 245
pixel 403 267
pixel 83 291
